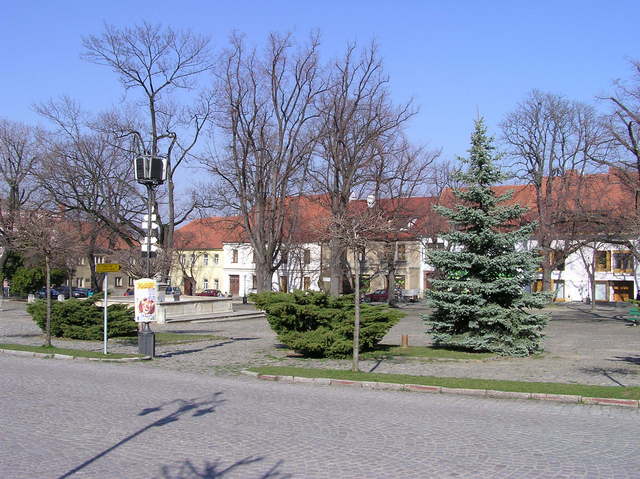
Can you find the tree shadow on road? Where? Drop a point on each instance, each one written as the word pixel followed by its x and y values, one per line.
pixel 197 350
pixel 177 408
pixel 214 470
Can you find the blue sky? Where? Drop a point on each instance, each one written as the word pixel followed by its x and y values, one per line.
pixel 454 59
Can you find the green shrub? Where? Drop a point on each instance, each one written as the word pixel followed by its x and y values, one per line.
pixel 318 325
pixel 82 319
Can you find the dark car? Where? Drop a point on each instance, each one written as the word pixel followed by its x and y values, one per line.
pixel 210 292
pixel 82 292
pixel 377 296
pixel 42 293
pixel 172 290
pixel 129 292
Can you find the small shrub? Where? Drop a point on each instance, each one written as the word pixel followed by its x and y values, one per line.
pixel 82 319
pixel 318 325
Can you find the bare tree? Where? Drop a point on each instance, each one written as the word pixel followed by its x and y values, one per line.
pixel 398 173
pixel 156 63
pixel 623 125
pixel 44 236
pixel 358 121
pixel 266 110
pixel 20 155
pixel 553 142
pixel 355 229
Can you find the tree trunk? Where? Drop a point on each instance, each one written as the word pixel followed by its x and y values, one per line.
pixel 546 276
pixel 263 274
pixel 48 299
pixel 356 321
pixel 336 266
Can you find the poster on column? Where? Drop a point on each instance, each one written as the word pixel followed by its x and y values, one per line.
pixel 145 300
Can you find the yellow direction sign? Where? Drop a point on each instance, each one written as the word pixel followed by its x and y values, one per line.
pixel 107 268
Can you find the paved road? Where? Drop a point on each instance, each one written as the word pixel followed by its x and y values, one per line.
pixel 77 419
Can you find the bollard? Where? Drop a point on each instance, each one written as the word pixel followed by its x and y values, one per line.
pixel 404 342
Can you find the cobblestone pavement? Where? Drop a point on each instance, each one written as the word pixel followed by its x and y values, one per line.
pixel 72 419
pixel 581 347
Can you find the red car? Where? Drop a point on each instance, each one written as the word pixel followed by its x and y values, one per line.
pixel 210 292
pixel 377 296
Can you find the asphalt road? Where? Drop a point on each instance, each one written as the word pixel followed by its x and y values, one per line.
pixel 76 419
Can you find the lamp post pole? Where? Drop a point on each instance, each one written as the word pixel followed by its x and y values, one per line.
pixel 150 171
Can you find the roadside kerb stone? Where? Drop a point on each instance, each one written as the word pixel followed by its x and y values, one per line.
pixel 423 388
pixel 346 382
pixel 557 397
pixel 567 398
pixel 508 394
pixel 16 352
pixel 464 391
pixel 611 402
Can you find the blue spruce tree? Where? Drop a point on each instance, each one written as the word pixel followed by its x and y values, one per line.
pixel 480 302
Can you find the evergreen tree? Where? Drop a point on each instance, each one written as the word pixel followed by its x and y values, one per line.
pixel 480 302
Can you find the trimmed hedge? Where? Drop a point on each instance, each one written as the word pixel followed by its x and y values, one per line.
pixel 82 319
pixel 318 325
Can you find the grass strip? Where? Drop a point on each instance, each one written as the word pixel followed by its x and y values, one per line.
pixel 427 352
pixel 617 392
pixel 78 353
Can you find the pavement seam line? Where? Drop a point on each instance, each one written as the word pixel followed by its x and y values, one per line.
pixel 564 398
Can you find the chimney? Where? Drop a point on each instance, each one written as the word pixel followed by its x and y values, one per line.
pixel 371 201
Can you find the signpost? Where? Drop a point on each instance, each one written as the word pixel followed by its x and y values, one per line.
pixel 106 268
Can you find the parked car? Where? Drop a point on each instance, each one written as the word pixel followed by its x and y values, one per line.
pixel 377 296
pixel 82 292
pixel 129 292
pixel 42 293
pixel 210 292
pixel 172 290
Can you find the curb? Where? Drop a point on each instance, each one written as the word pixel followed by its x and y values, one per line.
pixel 563 398
pixel 30 354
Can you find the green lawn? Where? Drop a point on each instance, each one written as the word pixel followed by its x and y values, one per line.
pixel 466 383
pixel 69 352
pixel 427 352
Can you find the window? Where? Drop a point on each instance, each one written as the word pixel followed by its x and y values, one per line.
pixel 79 282
pixel 307 256
pixel 253 256
pixel 118 281
pixel 602 291
pixel 284 284
pixel 205 283
pixel 603 261
pixel 234 255
pixel 435 245
pixel 83 260
pixel 622 262
pixel 183 258
pixel 193 258
pixel 205 260
pixel 285 258
pixel 216 258
pixel 216 284
pixel 306 283
pixel 131 282
pixel 402 252
pixel 98 259
pixel 254 281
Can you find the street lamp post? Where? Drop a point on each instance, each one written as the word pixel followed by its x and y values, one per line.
pixel 150 171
